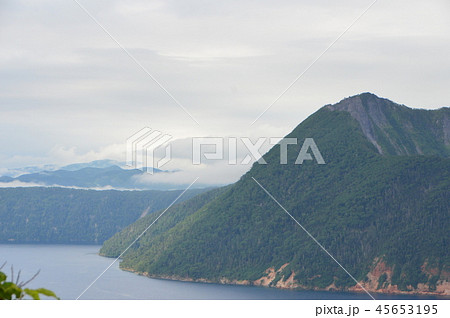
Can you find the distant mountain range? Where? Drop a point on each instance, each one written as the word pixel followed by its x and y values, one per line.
pixel 105 163
pixel 15 172
pixel 380 205
pixel 92 175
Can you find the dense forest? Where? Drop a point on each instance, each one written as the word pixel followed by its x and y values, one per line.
pixel 59 215
pixel 374 200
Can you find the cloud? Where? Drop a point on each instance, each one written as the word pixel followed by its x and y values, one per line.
pixel 69 93
pixel 213 174
pixel 20 184
pixel 65 155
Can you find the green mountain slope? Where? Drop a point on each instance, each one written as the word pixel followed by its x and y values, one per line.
pixel 58 215
pixel 118 243
pixel 379 205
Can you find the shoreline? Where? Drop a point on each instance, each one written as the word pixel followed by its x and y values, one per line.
pixel 225 281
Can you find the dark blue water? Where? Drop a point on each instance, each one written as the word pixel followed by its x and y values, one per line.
pixel 69 269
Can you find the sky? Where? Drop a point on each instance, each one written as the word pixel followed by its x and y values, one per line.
pixel 69 93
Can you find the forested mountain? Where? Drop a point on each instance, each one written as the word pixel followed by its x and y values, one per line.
pixel 380 205
pixel 58 215
pixel 178 213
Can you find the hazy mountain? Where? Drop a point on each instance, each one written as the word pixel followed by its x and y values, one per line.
pixel 105 163
pixel 97 174
pixel 15 172
pixel 380 205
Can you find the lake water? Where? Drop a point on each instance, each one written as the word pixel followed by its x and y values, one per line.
pixel 69 269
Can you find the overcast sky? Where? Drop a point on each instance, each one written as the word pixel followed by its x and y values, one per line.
pixel 68 93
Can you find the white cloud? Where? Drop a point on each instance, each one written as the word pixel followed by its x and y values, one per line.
pixel 19 184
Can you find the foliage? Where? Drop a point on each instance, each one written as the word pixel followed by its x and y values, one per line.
pixel 10 290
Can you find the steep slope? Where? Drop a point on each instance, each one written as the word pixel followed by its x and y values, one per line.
pixel 396 129
pixel 380 205
pixel 56 215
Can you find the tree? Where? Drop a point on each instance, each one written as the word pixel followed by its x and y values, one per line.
pixel 10 290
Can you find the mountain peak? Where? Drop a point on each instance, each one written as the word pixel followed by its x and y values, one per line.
pixel 363 97
pixel 367 103
pixel 367 109
pixel 397 129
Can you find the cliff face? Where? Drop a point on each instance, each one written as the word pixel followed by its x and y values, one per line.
pixel 380 279
pixel 396 129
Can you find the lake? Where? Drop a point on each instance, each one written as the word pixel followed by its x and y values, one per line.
pixel 69 269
